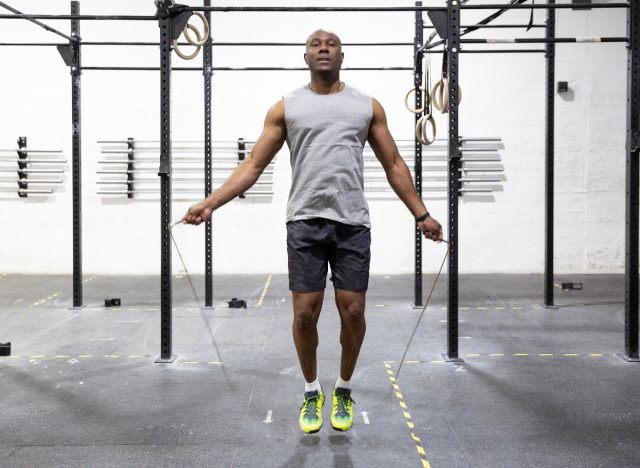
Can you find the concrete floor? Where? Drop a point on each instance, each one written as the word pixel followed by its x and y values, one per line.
pixel 539 387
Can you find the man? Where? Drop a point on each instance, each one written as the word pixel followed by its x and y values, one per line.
pixel 325 125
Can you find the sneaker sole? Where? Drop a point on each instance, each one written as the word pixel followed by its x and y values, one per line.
pixel 312 432
pixel 340 429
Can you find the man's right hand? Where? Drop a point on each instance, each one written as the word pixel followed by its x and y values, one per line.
pixel 431 229
pixel 197 214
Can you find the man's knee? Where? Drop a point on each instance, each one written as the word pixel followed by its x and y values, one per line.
pixel 353 313
pixel 306 310
pixel 305 319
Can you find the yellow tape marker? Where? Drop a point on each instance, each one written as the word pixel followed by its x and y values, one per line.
pixel 407 415
pixel 264 290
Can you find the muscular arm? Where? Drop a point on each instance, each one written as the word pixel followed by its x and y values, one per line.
pixel 247 172
pixel 397 171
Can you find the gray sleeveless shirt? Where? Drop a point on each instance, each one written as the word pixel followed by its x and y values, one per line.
pixel 326 134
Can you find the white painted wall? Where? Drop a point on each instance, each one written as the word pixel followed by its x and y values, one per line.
pixel 503 95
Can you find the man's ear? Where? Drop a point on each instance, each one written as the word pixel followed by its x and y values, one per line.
pixel 305 58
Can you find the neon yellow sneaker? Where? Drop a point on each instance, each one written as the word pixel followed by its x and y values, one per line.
pixel 342 412
pixel 311 412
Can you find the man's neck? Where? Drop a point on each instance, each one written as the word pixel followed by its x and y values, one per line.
pixel 321 85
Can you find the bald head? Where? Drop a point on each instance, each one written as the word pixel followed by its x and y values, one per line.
pixel 322 33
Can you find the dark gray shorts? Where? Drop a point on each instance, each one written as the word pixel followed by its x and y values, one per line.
pixel 312 244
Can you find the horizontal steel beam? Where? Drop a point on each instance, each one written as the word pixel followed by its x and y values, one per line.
pixel 543 40
pixel 495 26
pixel 541 6
pixel 245 68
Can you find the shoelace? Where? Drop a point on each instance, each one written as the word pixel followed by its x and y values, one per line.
pixel 310 405
pixel 344 402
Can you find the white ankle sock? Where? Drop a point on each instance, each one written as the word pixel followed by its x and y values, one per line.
pixel 346 384
pixel 313 386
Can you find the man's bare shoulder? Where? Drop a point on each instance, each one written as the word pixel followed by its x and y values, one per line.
pixel 275 114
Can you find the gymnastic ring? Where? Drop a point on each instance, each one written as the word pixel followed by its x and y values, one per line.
pixel 196 52
pixel 421 129
pixel 406 100
pixel 200 41
pixel 440 95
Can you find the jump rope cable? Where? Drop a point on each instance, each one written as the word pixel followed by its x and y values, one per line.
pixel 423 310
pixel 193 289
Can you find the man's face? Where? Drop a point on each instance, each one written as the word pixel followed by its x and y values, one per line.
pixel 324 52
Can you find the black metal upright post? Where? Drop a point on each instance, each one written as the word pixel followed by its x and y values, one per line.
pixel 417 82
pixel 549 156
pixel 207 72
pixel 164 172
pixel 453 47
pixel 632 183
pixel 76 72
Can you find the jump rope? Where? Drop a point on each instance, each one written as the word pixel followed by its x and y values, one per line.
pixel 213 340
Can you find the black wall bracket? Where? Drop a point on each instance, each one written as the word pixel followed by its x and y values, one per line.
pixel 22 166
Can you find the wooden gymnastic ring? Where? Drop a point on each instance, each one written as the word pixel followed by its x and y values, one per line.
pixel 440 95
pixel 421 129
pixel 406 100
pixel 196 52
pixel 201 40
